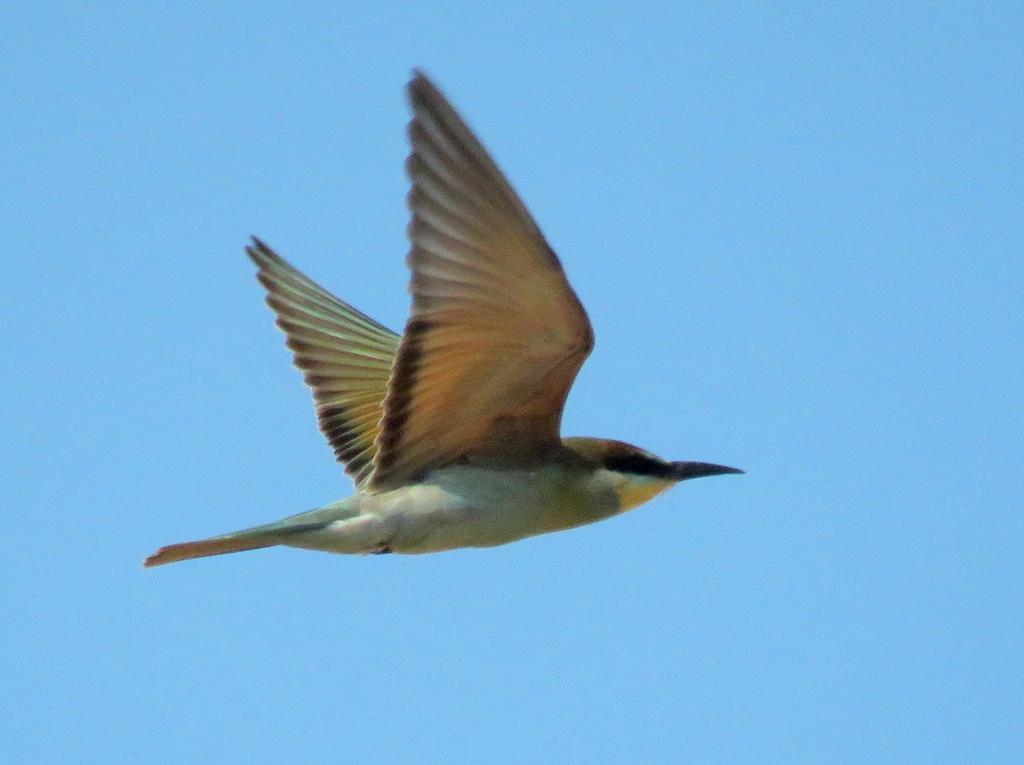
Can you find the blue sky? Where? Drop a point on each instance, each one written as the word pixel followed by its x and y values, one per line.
pixel 798 233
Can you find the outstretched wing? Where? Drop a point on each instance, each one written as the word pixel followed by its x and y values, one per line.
pixel 496 335
pixel 346 358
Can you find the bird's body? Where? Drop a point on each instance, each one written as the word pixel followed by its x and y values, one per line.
pixel 451 431
pixel 460 505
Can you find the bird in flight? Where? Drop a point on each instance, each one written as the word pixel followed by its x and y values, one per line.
pixel 451 432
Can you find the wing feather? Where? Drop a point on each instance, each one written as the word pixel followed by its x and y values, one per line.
pixel 496 334
pixel 346 358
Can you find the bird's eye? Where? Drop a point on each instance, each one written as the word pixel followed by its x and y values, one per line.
pixel 638 463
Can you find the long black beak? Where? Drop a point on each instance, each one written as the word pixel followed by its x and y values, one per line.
pixel 685 470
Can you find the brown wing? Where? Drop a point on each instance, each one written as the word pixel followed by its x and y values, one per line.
pixel 345 355
pixel 496 335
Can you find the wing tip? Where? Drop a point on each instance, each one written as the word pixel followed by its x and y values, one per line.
pixel 260 253
pixel 423 92
pixel 419 78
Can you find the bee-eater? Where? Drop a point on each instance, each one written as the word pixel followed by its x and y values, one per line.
pixel 451 431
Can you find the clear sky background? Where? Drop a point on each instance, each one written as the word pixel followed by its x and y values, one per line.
pixel 798 231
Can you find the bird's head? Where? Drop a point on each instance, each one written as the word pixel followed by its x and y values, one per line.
pixel 636 474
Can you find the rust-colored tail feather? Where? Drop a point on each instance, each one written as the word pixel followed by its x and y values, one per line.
pixel 203 547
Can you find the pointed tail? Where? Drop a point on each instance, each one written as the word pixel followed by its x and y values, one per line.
pixel 203 547
pixel 284 531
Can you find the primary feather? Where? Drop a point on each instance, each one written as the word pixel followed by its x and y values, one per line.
pixel 346 358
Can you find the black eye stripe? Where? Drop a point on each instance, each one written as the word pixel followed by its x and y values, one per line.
pixel 638 464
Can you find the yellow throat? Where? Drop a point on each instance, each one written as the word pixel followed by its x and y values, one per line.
pixel 633 490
